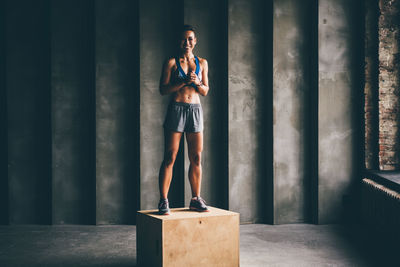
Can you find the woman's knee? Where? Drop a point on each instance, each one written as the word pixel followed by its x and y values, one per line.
pixel 169 158
pixel 195 158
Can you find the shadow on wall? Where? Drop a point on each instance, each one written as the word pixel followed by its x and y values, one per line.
pixel 356 17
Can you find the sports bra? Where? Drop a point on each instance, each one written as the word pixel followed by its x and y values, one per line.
pixel 183 75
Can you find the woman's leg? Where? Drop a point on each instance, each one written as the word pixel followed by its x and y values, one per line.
pixel 172 140
pixel 195 147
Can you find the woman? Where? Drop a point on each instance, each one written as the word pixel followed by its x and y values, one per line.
pixel 185 78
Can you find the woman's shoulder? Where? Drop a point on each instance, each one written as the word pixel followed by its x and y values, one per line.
pixel 170 63
pixel 201 59
pixel 203 62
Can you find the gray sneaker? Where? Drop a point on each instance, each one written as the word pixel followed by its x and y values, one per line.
pixel 198 204
pixel 163 207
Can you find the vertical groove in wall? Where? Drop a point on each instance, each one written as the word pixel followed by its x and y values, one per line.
pixel 351 197
pixel 91 7
pixel 224 196
pixel 265 153
pixel 371 88
pixel 312 127
pixel 222 199
pixel 115 115
pixel 3 121
pixel 177 187
pixel 136 112
pixel 27 83
pixel 187 192
pixel 306 25
pixel 73 125
pixel 136 109
pixel 269 113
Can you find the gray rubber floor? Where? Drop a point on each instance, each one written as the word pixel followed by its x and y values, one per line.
pixel 260 245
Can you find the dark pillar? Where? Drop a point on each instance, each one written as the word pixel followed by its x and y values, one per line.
pixel 28 111
pixel 117 117
pixel 73 121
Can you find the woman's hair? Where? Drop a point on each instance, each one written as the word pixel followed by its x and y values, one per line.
pixel 187 27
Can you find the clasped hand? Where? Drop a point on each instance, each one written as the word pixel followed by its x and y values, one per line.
pixel 193 78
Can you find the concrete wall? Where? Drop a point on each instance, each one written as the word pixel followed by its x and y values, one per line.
pixel 291 99
pixel 340 96
pixel 248 69
pixel 73 111
pixel 156 45
pixel 117 117
pixel 84 113
pixel 28 111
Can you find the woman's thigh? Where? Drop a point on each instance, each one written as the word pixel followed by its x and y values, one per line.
pixel 172 140
pixel 195 142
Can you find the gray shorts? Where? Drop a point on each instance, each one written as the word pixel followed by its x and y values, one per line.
pixel 184 117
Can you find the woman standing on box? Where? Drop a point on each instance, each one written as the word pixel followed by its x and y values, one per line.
pixel 185 78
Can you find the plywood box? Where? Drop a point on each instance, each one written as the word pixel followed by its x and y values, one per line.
pixel 188 238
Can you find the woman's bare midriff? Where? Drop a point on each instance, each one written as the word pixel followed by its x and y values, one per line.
pixel 187 94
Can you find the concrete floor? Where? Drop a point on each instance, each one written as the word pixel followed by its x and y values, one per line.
pixel 260 245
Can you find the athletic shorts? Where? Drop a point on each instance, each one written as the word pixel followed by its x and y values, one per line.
pixel 184 117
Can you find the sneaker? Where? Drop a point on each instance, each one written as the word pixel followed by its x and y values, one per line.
pixel 163 207
pixel 198 204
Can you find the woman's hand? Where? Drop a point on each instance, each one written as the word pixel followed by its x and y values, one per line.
pixel 193 78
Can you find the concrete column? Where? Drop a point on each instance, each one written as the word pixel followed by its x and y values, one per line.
pixel 371 88
pixel 339 151
pixel 117 118
pixel 389 91
pixel 248 68
pixel 291 94
pixel 73 125
pixel 28 111
pixel 209 19
pixel 159 21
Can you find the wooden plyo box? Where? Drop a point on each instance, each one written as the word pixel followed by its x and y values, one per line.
pixel 187 238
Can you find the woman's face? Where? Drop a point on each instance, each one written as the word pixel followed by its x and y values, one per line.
pixel 188 41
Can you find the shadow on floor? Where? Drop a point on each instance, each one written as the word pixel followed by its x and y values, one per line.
pixel 68 245
pixel 377 247
pixel 260 245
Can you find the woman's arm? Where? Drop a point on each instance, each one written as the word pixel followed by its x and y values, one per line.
pixel 165 86
pixel 202 86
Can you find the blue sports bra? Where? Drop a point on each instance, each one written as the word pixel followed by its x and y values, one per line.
pixel 183 75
